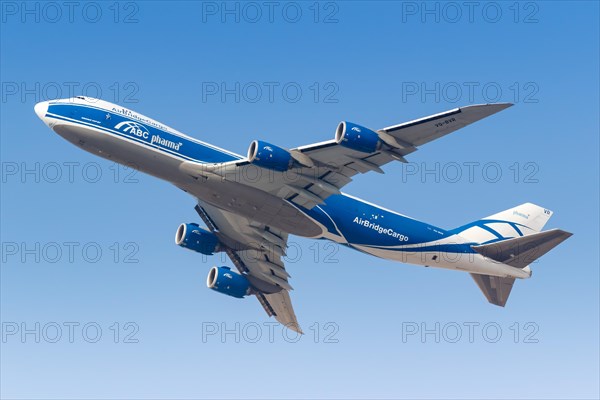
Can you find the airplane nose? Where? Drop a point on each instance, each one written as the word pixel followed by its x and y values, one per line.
pixel 40 109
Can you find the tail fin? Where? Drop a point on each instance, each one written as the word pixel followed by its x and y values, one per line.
pixel 522 220
pixel 512 237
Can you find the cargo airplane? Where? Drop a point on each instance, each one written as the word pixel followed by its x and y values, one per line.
pixel 249 205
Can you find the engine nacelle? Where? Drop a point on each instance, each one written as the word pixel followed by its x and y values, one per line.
pixel 192 237
pixel 356 137
pixel 224 280
pixel 269 156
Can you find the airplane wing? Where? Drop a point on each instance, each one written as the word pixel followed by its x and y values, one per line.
pixel 256 250
pixel 307 176
pixel 319 170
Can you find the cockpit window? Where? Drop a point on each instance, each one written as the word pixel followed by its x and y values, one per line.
pixel 80 97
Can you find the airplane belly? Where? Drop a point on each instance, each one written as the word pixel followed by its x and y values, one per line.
pixel 467 262
pixel 121 151
pixel 235 197
pixel 254 204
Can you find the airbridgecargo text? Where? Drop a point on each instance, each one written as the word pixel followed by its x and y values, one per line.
pixel 380 229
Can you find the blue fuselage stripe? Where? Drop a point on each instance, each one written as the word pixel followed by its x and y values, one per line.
pixel 139 131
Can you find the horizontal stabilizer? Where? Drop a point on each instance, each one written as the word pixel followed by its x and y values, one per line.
pixel 522 251
pixel 495 289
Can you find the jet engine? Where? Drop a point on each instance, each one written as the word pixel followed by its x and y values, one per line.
pixel 192 237
pixel 267 155
pixel 224 280
pixel 356 137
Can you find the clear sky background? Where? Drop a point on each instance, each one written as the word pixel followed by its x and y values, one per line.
pixel 87 246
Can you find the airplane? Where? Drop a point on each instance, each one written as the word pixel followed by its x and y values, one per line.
pixel 250 205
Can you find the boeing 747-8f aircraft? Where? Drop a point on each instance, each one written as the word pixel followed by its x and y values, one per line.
pixel 251 204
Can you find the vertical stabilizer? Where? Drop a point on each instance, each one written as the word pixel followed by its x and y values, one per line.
pixel 518 221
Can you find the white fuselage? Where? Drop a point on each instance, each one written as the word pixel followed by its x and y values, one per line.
pixel 90 125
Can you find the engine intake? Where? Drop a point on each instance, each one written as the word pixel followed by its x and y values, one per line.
pixel 192 237
pixel 267 155
pixel 356 137
pixel 224 280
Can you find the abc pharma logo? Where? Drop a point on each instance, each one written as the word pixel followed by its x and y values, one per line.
pixel 133 128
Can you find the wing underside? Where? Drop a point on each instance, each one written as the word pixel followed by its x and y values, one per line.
pixel 256 250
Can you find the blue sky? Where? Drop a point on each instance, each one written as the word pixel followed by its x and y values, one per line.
pixel 87 246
